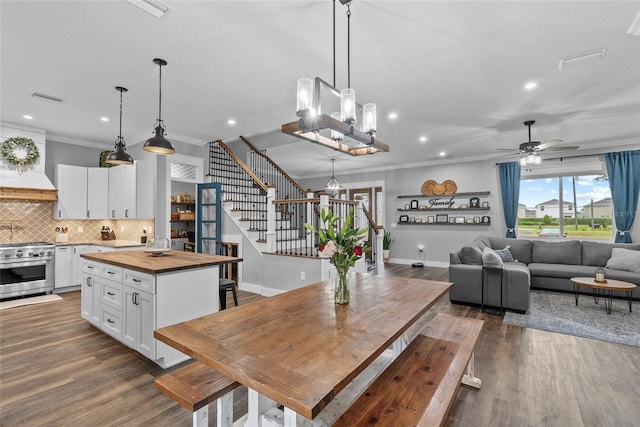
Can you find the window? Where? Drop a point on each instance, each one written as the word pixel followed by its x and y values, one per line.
pixel 577 207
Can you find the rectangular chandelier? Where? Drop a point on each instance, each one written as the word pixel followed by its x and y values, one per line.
pixel 313 126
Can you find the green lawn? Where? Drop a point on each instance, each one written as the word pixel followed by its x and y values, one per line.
pixel 583 231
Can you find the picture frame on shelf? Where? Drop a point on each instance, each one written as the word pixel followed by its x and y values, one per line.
pixel 474 202
pixel 404 218
pixel 442 218
pixel 418 220
pixel 464 206
pixel 412 219
pixel 485 204
pixel 459 220
pixel 468 220
pixel 406 207
pixel 431 219
pixel 452 220
pixel 486 219
pixel 476 220
pixel 414 204
pixel 423 207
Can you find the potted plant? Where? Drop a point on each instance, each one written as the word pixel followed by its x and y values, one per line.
pixel 386 244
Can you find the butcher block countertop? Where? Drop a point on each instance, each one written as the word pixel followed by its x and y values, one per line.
pixel 169 261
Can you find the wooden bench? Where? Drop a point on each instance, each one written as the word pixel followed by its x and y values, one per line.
pixel 195 386
pixel 421 384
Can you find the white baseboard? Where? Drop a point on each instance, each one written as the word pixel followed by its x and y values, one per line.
pixel 259 289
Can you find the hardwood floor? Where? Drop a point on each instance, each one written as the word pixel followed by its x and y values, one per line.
pixel 57 369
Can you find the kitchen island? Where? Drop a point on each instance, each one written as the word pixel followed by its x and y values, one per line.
pixel 130 294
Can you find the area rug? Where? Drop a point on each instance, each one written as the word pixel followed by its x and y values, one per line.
pixel 29 301
pixel 557 312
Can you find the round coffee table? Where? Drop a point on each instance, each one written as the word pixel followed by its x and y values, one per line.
pixel 603 288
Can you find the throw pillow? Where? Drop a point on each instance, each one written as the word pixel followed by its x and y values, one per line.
pixel 491 259
pixel 624 259
pixel 471 255
pixel 505 254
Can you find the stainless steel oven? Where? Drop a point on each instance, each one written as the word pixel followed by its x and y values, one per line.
pixel 26 268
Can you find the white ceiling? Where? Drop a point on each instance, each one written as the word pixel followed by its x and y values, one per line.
pixel 452 70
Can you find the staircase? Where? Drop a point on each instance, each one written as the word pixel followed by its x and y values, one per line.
pixel 268 206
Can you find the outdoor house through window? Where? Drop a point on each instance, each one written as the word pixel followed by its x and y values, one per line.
pixel 578 207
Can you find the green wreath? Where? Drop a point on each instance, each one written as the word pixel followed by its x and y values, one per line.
pixel 12 145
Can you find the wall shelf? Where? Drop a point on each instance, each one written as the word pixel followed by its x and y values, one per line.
pixel 443 223
pixel 442 209
pixel 434 196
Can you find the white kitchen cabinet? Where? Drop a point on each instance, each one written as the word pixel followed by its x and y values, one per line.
pixel 90 303
pixel 97 193
pixel 139 321
pixel 76 263
pixel 178 244
pixel 63 262
pixel 122 192
pixel 71 182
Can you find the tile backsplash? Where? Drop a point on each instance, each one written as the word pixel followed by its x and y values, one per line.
pixel 32 221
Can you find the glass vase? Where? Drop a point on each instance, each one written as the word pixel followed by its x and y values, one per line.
pixel 342 288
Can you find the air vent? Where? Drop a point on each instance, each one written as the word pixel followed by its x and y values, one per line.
pixel 46 97
pixel 592 55
pixel 154 7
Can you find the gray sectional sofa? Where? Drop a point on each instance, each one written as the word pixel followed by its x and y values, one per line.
pixel 537 264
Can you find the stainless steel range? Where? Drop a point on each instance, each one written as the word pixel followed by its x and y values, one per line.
pixel 26 268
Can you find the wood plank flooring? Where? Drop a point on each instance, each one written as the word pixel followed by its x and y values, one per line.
pixel 57 369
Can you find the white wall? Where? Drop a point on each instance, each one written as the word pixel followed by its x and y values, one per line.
pixel 438 240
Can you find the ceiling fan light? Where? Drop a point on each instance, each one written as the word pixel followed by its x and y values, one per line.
pixel 348 105
pixel 304 97
pixel 538 159
pixel 369 118
pixel 523 160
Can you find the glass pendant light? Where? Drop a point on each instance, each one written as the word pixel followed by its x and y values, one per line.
pixel 335 135
pixel 159 144
pixel 120 156
pixel 369 118
pixel 304 97
pixel 333 186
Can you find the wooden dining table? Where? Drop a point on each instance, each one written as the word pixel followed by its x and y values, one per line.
pixel 299 348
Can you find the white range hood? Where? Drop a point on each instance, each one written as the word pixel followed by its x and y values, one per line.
pixel 33 178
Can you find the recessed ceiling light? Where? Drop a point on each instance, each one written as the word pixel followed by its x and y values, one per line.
pixel 530 85
pixel 442 154
pixel 393 116
pixel 231 122
pixel 28 117
pixel 423 139
pixel 104 119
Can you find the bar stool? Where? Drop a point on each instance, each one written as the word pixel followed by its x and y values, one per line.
pixel 224 286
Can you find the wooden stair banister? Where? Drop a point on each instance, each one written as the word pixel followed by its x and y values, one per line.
pixel 272 163
pixel 246 168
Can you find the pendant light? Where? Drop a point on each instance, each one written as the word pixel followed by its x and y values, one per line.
pixel 348 95
pixel 159 144
pixel 120 156
pixel 333 186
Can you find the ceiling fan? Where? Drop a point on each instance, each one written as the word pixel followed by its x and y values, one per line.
pixel 530 151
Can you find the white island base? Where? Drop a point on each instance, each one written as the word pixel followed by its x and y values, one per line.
pixel 129 305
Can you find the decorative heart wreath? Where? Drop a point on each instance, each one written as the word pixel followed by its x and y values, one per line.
pixel 21 152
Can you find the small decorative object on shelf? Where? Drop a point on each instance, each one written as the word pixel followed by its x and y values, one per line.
pixel 600 275
pixel 486 220
pixel 404 218
pixel 21 152
pixel 485 204
pixel 474 202
pixel 343 245
pixel 414 204
pixel 442 218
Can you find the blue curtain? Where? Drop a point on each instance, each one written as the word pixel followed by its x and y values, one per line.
pixel 623 169
pixel 510 188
